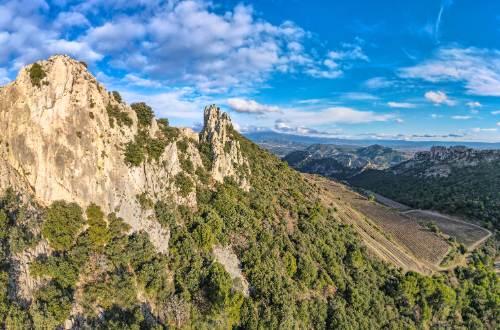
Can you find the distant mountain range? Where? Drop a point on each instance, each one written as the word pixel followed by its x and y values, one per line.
pixel 282 144
pixel 342 162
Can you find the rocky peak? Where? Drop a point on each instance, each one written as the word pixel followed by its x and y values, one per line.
pixel 227 158
pixel 63 136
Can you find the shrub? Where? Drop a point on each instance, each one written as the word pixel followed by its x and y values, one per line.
pixel 186 164
pixel 51 306
pixel 144 200
pixel 184 183
pixel 143 147
pixel 206 154
pixel 36 74
pixel 98 229
pixel 61 224
pixel 182 145
pixel 121 117
pixel 144 113
pixel 134 154
pixel 117 96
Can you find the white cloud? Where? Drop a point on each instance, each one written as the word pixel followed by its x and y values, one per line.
pixel 479 129
pixel 498 123
pixel 177 103
pixel 334 115
pixel 399 120
pixel 402 105
pixel 474 104
pixel 284 126
pixel 461 117
pixel 71 19
pixel 186 43
pixel 497 112
pixel 141 82
pixel 477 68
pixel 358 96
pixel 438 97
pixel 250 106
pixel 378 82
pixel 435 116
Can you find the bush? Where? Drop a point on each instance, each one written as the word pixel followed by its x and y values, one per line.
pixel 117 96
pixel 61 224
pixel 184 183
pixel 144 113
pixel 98 228
pixel 143 147
pixel 121 117
pixel 51 306
pixel 182 145
pixel 36 74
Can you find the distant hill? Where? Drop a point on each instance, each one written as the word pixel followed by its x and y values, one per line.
pixel 274 141
pixel 456 180
pixel 342 162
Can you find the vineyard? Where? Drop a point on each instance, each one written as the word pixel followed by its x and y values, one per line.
pixel 397 234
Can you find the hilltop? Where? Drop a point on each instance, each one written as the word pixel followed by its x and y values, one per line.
pixel 341 162
pixel 112 218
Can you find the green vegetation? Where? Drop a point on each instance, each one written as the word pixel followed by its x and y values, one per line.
pixel 121 117
pixel 143 148
pixel 144 113
pixel 117 96
pixel 169 133
pixel 184 183
pixel 306 269
pixel 62 223
pixel 471 191
pixel 36 74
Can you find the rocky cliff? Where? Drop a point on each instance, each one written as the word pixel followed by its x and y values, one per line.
pixel 439 161
pixel 63 136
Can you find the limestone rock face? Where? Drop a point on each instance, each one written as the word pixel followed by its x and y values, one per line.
pixel 227 158
pixel 59 141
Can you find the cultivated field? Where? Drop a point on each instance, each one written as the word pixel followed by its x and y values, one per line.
pixel 468 234
pixel 397 233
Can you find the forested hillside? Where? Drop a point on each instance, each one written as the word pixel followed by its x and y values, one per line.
pixel 472 191
pixel 305 269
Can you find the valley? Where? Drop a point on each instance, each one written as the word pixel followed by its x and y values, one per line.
pixel 398 233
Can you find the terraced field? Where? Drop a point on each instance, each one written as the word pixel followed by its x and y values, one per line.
pixel 398 234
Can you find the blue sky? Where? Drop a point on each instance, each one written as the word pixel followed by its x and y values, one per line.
pixel 417 70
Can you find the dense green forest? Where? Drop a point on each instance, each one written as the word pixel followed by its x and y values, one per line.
pixel 305 268
pixel 470 191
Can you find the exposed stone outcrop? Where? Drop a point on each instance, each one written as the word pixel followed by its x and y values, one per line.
pixel 60 141
pixel 227 158
pixel 439 160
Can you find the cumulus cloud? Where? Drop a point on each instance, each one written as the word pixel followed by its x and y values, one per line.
pixel 477 68
pixel 497 112
pixel 402 105
pixel 250 106
pixel 461 117
pixel 438 97
pixel 186 42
